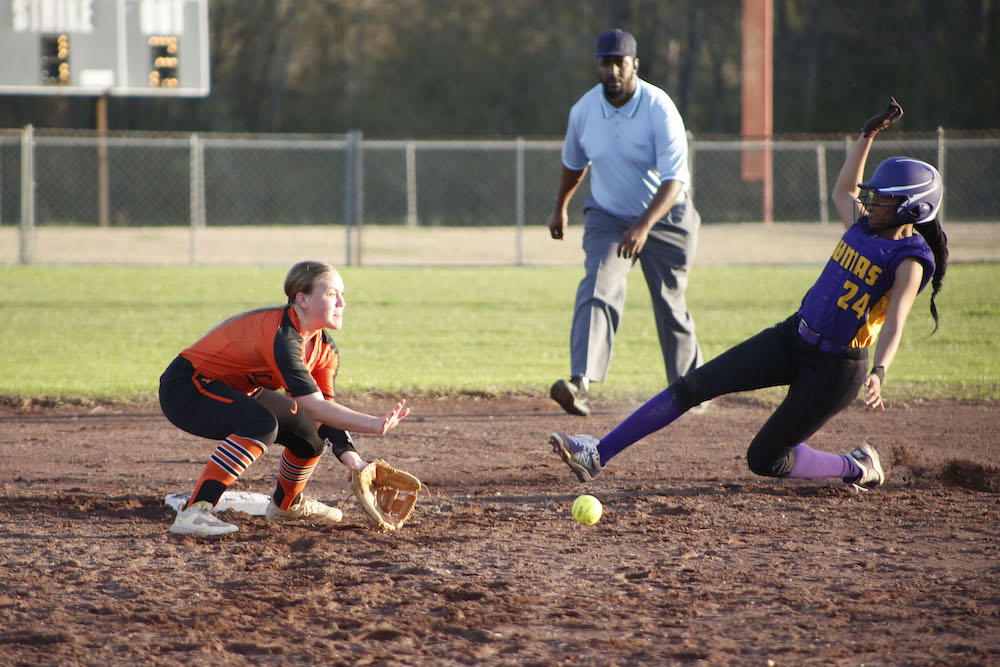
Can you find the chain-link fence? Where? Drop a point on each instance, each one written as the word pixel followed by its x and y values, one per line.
pixel 135 198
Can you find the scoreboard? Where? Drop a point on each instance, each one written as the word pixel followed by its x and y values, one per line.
pixel 104 47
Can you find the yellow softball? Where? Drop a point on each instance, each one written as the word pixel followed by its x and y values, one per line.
pixel 587 510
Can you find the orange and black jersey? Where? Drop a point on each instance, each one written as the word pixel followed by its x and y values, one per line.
pixel 265 348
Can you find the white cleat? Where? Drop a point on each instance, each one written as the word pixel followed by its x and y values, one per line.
pixel 307 508
pixel 199 519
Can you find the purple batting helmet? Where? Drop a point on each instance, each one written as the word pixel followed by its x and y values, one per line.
pixel 918 183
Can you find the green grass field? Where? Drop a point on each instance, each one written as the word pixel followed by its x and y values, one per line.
pixel 107 332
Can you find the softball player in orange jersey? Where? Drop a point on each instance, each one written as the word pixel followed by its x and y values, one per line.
pixel 227 387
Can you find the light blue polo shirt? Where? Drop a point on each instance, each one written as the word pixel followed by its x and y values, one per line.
pixel 630 150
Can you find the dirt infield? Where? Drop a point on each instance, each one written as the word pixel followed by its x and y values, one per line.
pixel 695 559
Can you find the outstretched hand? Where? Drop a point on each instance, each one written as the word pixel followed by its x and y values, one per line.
pixel 393 418
pixel 880 122
pixel 873 393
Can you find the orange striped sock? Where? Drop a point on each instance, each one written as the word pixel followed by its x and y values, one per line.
pixel 292 478
pixel 233 456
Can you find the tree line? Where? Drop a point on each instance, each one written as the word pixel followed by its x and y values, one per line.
pixel 421 68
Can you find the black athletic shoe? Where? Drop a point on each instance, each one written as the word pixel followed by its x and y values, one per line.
pixel 571 396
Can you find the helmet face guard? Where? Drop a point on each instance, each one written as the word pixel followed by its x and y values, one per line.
pixel 916 182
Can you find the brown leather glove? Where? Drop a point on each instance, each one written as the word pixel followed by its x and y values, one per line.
pixel 883 120
pixel 386 495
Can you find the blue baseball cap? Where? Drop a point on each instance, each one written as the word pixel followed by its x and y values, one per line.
pixel 615 43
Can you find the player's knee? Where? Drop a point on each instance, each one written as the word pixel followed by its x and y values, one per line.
pixel 685 393
pixel 303 445
pixel 263 427
pixel 763 462
pixel 299 436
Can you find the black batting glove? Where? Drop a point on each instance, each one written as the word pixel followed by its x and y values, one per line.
pixel 883 120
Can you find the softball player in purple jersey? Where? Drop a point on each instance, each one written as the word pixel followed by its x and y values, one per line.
pixel 866 291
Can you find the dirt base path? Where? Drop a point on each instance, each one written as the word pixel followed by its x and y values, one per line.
pixel 695 559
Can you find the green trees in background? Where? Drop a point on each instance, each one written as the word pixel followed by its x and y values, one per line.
pixel 471 67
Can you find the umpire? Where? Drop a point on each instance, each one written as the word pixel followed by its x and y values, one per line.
pixel 631 136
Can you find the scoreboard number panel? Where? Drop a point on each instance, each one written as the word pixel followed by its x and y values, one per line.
pixel 104 47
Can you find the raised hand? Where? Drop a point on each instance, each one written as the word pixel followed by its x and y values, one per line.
pixel 878 123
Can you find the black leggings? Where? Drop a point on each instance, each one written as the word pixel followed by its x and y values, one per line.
pixel 820 385
pixel 214 410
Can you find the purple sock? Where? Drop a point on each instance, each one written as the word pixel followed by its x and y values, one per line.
pixel 811 464
pixel 653 415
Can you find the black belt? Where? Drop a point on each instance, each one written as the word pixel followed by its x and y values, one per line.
pixel 820 343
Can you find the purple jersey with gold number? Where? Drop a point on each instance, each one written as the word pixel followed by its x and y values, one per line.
pixel 847 304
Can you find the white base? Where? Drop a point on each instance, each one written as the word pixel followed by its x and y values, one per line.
pixel 248 502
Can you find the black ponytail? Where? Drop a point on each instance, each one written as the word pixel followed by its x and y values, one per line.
pixel 938 243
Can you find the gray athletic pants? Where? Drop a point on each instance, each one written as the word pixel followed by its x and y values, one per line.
pixel 666 261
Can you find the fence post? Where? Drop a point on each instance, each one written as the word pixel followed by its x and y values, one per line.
pixel 692 148
pixel 940 165
pixel 353 198
pixel 824 209
pixel 197 193
pixel 519 201
pixel 768 181
pixel 411 184
pixel 359 194
pixel 27 233
pixel 103 184
pixel 349 149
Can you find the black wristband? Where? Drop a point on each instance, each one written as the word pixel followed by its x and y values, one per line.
pixel 337 440
pixel 879 371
